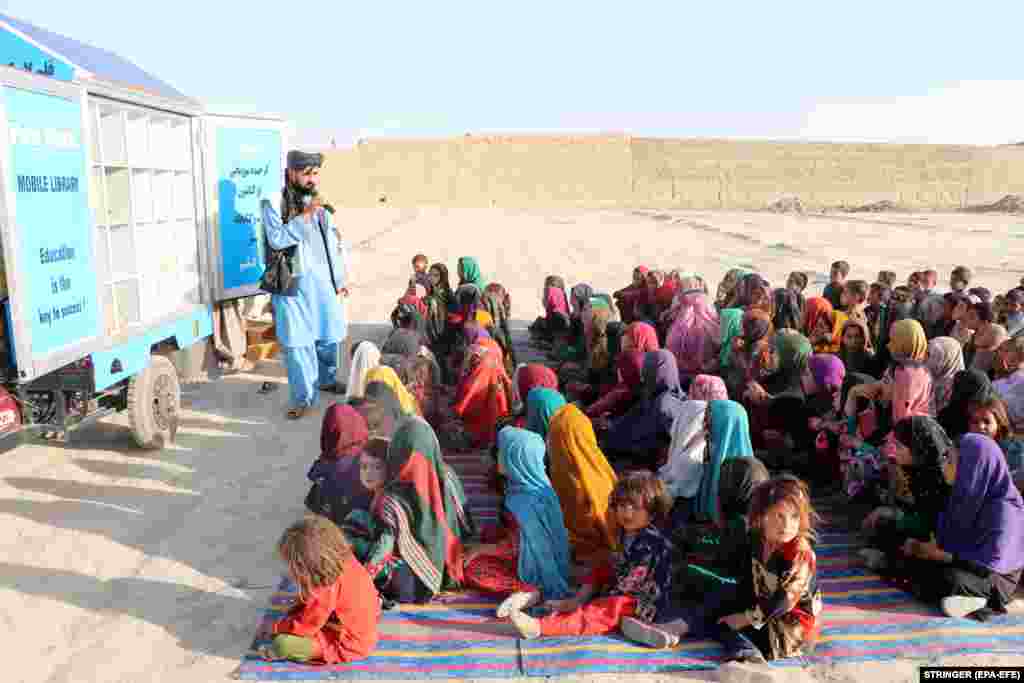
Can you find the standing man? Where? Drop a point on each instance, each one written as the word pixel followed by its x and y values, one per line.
pixel 311 323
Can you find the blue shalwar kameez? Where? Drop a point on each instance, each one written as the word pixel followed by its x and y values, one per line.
pixel 311 323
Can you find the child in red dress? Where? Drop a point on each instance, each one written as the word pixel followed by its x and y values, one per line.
pixel 336 617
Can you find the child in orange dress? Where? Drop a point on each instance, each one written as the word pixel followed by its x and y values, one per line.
pixel 336 617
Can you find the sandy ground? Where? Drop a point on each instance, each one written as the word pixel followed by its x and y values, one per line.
pixel 122 565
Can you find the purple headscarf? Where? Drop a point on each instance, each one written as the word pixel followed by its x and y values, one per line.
pixel 827 370
pixel 660 373
pixel 984 518
pixel 473 332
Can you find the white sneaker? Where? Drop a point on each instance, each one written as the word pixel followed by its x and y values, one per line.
pixel 961 605
pixel 647 634
pixel 873 558
pixel 528 627
pixel 517 602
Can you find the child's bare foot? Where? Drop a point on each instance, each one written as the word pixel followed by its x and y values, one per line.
pixel 517 602
pixel 647 634
pixel 528 627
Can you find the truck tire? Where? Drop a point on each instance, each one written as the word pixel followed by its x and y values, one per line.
pixel 154 397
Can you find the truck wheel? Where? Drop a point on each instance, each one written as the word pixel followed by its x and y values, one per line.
pixel 153 399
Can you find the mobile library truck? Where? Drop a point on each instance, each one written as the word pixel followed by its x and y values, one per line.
pixel 126 213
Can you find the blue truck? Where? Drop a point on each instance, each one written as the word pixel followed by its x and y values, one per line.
pixel 128 211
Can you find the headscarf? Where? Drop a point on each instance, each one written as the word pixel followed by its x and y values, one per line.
pixel 927 442
pixel 541 405
pixel 631 367
pixel 534 375
pixel 660 374
pixel 789 313
pixel 469 272
pixel 793 351
pixel 827 370
pixel 643 337
pixel 343 436
pixel 381 409
pixel 695 334
pixel 473 332
pixel 968 386
pixel 984 520
pixel 756 325
pixel 816 308
pixel 343 433
pixel 708 388
pixel 945 360
pixel 484 394
pixel 737 481
pixel 403 342
pixel 367 357
pixel 597 339
pixel 583 480
pixel 725 296
pixel 908 343
pixel 751 287
pixel 410 314
pixel 544 554
pixel 388 377
pixel 579 298
pixel 730 438
pixel 682 473
pixel 554 301
pixel 421 507
pixel 731 326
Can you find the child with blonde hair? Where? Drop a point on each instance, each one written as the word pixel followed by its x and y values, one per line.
pixel 335 619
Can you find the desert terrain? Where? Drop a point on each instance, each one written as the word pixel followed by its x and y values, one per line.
pixel 119 565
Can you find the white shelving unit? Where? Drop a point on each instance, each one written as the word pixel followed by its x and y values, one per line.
pixel 144 212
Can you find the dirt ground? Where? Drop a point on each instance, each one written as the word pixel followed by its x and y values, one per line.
pixel 121 565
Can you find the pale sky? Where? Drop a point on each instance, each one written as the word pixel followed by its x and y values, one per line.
pixel 898 70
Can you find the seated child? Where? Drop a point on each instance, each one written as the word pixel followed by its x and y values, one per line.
pixel 773 611
pixel 530 551
pixel 887 277
pixel 854 299
pixel 972 565
pixel 336 617
pixel 960 279
pixel 838 273
pixel 637 586
pixel 991 418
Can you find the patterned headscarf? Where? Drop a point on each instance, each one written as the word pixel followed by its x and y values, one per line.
pixel 642 336
pixel 708 388
pixel 945 360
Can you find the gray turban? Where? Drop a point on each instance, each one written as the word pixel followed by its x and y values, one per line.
pixel 298 160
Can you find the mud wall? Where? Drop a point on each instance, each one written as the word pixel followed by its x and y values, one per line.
pixel 604 171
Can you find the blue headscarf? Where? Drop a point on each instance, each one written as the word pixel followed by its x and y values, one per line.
pixel 730 438
pixel 541 405
pixel 543 540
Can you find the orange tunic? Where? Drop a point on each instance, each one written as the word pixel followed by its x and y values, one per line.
pixel 485 392
pixel 342 617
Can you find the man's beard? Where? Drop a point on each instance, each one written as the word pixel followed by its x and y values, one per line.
pixel 305 190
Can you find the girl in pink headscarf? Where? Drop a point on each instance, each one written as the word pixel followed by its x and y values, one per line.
pixel 708 388
pixel 695 336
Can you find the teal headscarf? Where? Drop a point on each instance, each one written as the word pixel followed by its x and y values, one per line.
pixel 730 438
pixel 541 405
pixel 731 322
pixel 469 272
pixel 529 496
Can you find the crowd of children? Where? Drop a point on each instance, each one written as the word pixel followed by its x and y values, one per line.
pixel 671 447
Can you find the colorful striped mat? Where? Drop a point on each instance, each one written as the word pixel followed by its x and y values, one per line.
pixel 457 636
